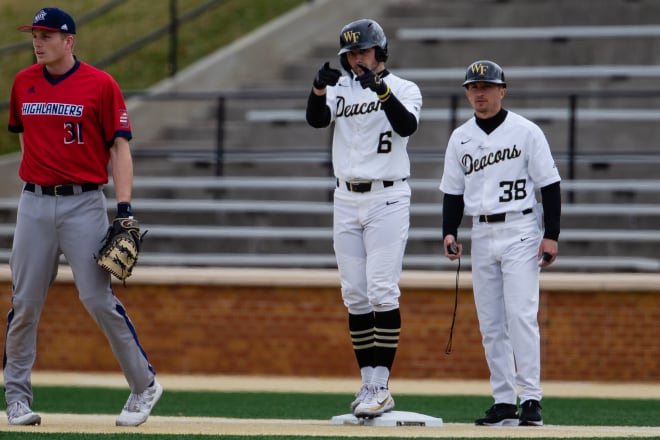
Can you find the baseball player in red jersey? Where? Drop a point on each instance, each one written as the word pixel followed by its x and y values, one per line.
pixel 374 112
pixel 494 164
pixel 72 122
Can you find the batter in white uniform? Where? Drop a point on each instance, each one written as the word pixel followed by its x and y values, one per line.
pixel 494 164
pixel 374 113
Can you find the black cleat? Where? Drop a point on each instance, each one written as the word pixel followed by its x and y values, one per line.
pixel 531 413
pixel 500 414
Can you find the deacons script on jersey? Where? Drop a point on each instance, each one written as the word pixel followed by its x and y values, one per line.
pixel 364 145
pixel 500 171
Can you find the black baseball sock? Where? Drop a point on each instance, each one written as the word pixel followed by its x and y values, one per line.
pixel 388 329
pixel 362 335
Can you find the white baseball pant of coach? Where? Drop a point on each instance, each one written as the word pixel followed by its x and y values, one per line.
pixel 505 274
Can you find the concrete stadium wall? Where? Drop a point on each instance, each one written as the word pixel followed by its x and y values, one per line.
pixel 597 327
pixel 254 60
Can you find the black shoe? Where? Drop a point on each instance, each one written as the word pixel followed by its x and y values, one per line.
pixel 500 414
pixel 531 413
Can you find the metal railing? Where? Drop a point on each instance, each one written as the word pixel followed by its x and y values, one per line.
pixel 170 29
pixel 94 13
pixel 569 100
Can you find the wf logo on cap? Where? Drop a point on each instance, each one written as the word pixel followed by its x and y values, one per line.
pixel 51 19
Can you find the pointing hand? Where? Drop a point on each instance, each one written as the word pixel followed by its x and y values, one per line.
pixel 369 79
pixel 326 76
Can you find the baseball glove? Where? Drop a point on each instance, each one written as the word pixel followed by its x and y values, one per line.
pixel 121 246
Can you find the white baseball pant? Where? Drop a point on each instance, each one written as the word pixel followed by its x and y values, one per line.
pixel 505 275
pixel 370 234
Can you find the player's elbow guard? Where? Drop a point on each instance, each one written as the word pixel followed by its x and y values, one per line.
pixel 317 113
pixel 403 122
pixel 317 121
pixel 408 128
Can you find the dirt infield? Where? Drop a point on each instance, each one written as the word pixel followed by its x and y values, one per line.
pixel 225 426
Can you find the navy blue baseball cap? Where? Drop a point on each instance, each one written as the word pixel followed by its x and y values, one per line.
pixel 51 19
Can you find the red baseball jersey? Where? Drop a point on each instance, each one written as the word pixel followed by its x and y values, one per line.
pixel 68 123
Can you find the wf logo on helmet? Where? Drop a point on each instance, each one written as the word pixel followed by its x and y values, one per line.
pixel 479 69
pixel 351 36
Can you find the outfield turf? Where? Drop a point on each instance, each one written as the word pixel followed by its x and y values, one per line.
pixel 270 405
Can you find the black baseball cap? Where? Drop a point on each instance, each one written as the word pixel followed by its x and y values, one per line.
pixel 51 19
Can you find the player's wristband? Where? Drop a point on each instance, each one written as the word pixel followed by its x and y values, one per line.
pixel 124 210
pixel 385 95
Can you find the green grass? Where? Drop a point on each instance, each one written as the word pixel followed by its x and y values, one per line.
pixel 452 409
pixel 270 405
pixel 132 20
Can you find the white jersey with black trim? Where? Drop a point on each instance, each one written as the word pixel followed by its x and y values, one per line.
pixel 498 172
pixel 364 146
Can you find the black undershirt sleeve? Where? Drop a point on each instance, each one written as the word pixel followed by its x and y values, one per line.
pixel 551 199
pixel 452 214
pixel 402 121
pixel 317 114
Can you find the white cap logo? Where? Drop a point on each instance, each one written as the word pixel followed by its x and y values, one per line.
pixel 41 16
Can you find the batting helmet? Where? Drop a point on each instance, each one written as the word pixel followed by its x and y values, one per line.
pixel 484 71
pixel 362 34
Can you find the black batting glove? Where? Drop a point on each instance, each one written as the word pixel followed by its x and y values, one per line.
pixel 326 76
pixel 369 79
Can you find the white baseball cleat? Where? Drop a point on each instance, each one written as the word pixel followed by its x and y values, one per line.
pixel 376 402
pixel 19 413
pixel 359 397
pixel 139 406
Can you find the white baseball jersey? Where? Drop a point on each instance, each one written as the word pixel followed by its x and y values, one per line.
pixel 364 145
pixel 498 172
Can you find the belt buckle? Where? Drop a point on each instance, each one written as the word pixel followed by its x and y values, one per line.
pixel 56 190
pixel 358 186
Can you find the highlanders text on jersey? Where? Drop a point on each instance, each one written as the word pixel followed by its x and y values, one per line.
pixel 498 172
pixel 59 119
pixel 364 145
